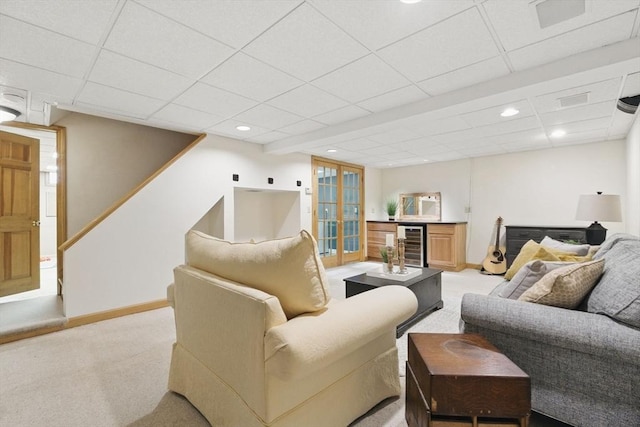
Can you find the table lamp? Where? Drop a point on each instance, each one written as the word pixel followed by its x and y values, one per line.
pixel 598 207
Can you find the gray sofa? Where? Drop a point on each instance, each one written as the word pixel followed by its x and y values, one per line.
pixel 584 364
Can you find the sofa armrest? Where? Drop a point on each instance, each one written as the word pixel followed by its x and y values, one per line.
pixel 312 341
pixel 575 330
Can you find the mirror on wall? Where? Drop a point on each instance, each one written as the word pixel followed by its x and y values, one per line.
pixel 420 206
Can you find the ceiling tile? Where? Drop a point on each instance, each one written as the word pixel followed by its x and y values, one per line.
pixel 186 117
pixel 265 138
pixel 249 77
pixel 597 92
pixel 393 136
pixel 487 150
pixel 466 76
pixel 442 47
pixel 213 100
pixel 585 125
pixel 362 79
pixel 118 101
pixel 306 45
pixel 516 22
pixel 394 98
pixel 492 115
pixel 597 35
pixel 340 115
pixel 86 21
pixel 307 101
pixel 31 45
pixel 462 135
pixel 360 144
pixel 232 22
pixel 228 128
pixel 63 88
pixel 436 127
pixel 149 37
pixel 532 136
pixel 123 73
pixel 302 126
pixel 364 18
pixel 631 85
pixel 592 111
pixel 580 137
pixel 515 125
pixel 267 117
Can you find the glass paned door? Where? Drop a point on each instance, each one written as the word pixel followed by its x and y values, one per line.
pixel 337 213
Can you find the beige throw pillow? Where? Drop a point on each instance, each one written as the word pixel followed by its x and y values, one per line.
pixel 288 268
pixel 566 286
pixel 528 276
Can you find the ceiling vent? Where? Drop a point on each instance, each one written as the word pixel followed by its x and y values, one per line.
pixel 573 100
pixel 551 12
pixel 629 104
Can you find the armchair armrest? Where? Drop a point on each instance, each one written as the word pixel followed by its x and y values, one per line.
pixel 571 329
pixel 313 341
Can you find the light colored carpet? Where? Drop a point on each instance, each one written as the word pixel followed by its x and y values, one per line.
pixel 114 373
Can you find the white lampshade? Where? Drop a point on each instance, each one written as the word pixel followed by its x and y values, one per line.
pixel 599 207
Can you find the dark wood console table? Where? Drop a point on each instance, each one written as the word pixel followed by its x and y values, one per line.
pixel 427 287
pixel 518 235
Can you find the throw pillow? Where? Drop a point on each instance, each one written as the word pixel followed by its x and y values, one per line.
pixel 527 276
pixel 289 268
pixel 530 251
pixel 565 247
pixel 565 287
pixel 617 294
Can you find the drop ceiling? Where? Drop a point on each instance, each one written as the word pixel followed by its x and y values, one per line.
pixel 382 83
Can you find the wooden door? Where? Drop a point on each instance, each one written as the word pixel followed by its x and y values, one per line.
pixel 337 211
pixel 19 214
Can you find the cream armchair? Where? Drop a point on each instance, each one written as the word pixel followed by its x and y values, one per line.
pixel 260 343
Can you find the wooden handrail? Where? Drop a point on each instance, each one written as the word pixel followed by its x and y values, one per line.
pixel 91 225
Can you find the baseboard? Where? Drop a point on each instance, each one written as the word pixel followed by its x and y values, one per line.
pixel 117 312
pixel 87 319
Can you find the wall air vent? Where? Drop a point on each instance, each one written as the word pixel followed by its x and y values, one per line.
pixel 573 100
pixel 551 12
pixel 629 104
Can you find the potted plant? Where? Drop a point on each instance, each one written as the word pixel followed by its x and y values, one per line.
pixel 392 207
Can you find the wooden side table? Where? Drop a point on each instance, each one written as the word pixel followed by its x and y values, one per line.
pixel 460 380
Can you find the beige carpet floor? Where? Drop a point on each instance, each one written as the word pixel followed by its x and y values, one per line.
pixel 114 373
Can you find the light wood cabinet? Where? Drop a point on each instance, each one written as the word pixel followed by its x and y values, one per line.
pixel 446 246
pixel 376 237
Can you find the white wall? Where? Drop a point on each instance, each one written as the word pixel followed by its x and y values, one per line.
pixel 128 258
pixel 48 222
pixel 266 215
pixel 633 179
pixel 528 188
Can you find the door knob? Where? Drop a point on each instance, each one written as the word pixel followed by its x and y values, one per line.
pixel 35 223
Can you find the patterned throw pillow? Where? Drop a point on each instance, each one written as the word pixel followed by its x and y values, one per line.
pixel 528 276
pixel 565 287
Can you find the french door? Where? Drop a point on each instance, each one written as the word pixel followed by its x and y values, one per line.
pixel 338 211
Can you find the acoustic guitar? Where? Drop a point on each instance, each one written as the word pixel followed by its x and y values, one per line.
pixel 495 262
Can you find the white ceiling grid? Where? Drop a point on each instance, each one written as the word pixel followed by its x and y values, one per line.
pixel 384 83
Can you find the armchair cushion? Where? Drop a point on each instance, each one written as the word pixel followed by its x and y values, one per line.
pixel 288 268
pixel 313 341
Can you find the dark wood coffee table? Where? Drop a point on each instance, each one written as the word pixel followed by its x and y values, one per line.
pixel 459 380
pixel 427 287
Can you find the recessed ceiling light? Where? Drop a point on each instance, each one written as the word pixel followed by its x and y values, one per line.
pixel 558 133
pixel 243 128
pixel 509 112
pixel 332 150
pixel 7 114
